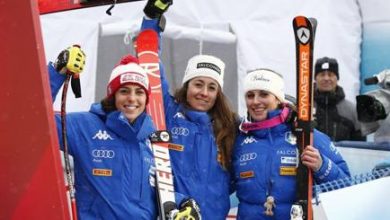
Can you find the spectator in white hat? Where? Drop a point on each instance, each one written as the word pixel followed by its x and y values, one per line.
pixel 265 155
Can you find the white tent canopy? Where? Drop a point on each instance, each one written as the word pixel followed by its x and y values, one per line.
pixel 248 34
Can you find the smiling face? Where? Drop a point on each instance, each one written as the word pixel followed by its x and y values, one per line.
pixel 130 99
pixel 259 103
pixel 202 93
pixel 326 81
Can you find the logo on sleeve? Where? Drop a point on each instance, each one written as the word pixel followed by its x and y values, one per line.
pixel 333 148
pixel 179 115
pixel 290 138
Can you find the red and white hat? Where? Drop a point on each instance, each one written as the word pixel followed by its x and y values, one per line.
pixel 127 71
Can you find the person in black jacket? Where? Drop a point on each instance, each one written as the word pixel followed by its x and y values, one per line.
pixel 335 116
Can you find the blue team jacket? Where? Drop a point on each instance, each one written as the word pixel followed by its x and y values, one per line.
pixel 264 165
pixel 197 173
pixel 112 160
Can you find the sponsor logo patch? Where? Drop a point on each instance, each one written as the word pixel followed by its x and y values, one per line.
pixel 290 138
pixel 247 174
pixel 102 135
pixel 133 77
pixel 176 147
pixel 333 148
pixel 179 115
pixel 303 35
pixel 102 172
pixel 288 171
pixel 287 152
pixel 107 154
pixel 288 160
pixel 209 66
pixel 248 140
pixel 180 131
pixel 248 156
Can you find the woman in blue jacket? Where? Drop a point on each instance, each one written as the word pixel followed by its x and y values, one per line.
pixel 265 153
pixel 110 143
pixel 202 128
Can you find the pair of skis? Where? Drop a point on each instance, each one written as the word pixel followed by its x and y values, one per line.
pixel 304 31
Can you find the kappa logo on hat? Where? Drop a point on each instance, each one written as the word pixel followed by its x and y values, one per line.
pixel 209 66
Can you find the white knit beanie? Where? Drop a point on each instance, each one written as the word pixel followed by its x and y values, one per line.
pixel 127 71
pixel 267 80
pixel 205 65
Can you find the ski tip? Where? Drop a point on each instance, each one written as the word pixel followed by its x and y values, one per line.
pixel 147 40
pixel 301 20
pixel 313 22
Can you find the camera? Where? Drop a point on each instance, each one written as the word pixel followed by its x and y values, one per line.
pixel 373 108
pixel 375 105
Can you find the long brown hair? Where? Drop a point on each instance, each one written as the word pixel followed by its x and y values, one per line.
pixel 225 122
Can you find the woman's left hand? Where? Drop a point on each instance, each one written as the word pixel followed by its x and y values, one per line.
pixel 311 157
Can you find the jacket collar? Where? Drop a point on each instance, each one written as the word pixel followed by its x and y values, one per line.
pixel 329 98
pixel 118 123
pixel 262 132
pixel 196 116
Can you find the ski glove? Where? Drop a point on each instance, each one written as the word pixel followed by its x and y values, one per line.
pixel 72 60
pixel 155 8
pixel 189 210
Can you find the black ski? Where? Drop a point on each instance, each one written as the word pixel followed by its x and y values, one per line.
pixel 304 30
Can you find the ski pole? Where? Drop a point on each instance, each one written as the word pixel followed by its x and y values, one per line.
pixel 69 178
